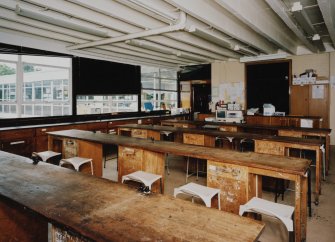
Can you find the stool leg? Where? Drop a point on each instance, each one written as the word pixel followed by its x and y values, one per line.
pixel 187 164
pixel 91 168
pixel 197 169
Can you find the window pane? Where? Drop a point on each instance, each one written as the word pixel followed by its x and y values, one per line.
pixel 168 85
pixel 106 104
pixel 150 83
pixel 168 73
pixel 47 86
pixel 45 60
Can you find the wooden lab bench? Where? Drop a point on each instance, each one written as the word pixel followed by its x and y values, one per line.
pixel 320 133
pixel 275 145
pixel 86 208
pixel 225 167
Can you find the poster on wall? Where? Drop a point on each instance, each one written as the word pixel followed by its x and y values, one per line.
pixel 318 91
pixel 232 92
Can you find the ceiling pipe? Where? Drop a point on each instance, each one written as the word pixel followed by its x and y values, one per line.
pixel 180 25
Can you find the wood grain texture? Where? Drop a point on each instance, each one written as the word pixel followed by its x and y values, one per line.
pixel 101 210
pixel 249 159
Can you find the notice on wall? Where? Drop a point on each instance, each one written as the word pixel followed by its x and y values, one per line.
pixel 232 92
pixel 318 91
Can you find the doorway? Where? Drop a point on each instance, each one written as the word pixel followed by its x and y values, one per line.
pixel 201 96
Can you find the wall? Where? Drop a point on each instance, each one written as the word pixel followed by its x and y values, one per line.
pixel 234 72
pixel 227 74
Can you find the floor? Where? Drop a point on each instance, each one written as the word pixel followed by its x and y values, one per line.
pixel 320 227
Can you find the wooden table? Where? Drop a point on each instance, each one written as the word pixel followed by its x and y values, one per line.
pixel 322 133
pixel 227 169
pixel 268 144
pixel 82 207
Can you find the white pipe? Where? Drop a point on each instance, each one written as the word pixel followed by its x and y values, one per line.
pixel 181 23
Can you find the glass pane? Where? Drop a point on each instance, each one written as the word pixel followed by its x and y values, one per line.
pixel 48 86
pixel 167 84
pixel 149 71
pixel 106 104
pixel 44 60
pixel 9 57
pixel 168 74
pixel 150 83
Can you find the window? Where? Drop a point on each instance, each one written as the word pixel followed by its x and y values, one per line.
pixel 34 86
pixel 106 104
pixel 159 88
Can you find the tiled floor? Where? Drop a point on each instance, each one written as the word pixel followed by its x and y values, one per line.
pixel 320 227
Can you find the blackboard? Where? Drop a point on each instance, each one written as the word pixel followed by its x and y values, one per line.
pixel 268 83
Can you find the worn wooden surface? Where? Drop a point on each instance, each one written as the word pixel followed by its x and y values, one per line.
pixel 101 210
pixel 216 133
pixel 233 183
pixel 271 162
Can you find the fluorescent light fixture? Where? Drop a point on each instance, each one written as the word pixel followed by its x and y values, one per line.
pixel 149 46
pixel 296 7
pixel 205 34
pixel 244 50
pixel 316 37
pixel 151 9
pixel 264 57
pixel 59 22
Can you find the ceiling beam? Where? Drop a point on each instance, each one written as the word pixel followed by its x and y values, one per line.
pixel 279 8
pixel 217 17
pixel 253 14
pixel 327 9
pixel 121 12
pixel 178 26
pixel 83 13
pixel 165 41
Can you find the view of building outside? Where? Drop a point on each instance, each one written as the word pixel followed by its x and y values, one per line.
pixel 106 104
pixel 159 88
pixel 40 86
pixel 34 86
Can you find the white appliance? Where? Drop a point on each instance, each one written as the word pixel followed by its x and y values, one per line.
pixel 229 116
pixel 268 109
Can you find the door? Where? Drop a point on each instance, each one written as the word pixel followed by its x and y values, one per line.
pixel 201 96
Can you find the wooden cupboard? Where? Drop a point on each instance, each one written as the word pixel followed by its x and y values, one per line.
pixel 310 100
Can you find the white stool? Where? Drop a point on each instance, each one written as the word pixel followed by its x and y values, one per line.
pixel 280 211
pixel 48 156
pixel 144 177
pixel 196 190
pixel 76 162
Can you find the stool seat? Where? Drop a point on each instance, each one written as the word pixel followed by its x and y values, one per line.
pixel 144 177
pixel 282 212
pixel 76 162
pixel 196 190
pixel 45 155
pixel 48 156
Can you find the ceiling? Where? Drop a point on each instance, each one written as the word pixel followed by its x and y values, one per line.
pixel 170 33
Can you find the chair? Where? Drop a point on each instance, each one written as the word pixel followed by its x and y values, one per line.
pixel 280 211
pixel 76 162
pixel 200 191
pixel 143 177
pixel 47 156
